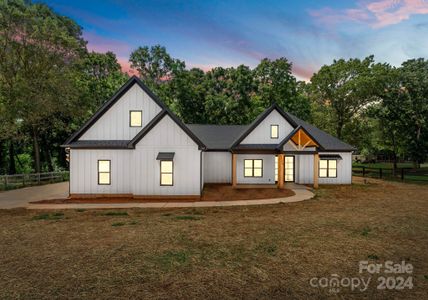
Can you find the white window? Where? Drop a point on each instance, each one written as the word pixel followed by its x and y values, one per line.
pixel 274 131
pixel 135 118
pixel 166 172
pixel 328 168
pixel 104 172
pixel 253 168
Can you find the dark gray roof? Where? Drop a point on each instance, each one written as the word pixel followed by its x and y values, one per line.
pixel 217 137
pixel 326 141
pixel 165 156
pixel 330 156
pixel 255 147
pixel 101 144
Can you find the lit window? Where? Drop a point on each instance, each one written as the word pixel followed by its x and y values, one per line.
pixel 274 131
pixel 328 168
pixel 166 173
pixel 253 168
pixel 104 172
pixel 135 118
pixel 289 168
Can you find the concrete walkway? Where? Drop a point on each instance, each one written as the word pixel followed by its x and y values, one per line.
pixel 301 193
pixel 22 197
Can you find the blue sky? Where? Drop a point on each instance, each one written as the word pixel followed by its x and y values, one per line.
pixel 206 34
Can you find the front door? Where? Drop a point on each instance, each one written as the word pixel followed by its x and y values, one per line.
pixel 289 168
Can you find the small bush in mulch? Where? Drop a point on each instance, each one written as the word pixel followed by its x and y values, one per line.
pixel 116 213
pixel 54 216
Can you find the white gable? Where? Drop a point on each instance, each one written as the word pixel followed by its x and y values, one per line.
pixel 114 123
pixel 166 133
pixel 261 134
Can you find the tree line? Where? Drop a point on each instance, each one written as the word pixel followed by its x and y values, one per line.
pixel 50 84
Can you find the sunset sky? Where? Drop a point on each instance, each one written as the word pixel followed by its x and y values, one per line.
pixel 206 34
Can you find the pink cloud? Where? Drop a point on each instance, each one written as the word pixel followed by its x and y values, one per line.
pixel 100 44
pixel 377 14
pixel 303 72
pixel 126 66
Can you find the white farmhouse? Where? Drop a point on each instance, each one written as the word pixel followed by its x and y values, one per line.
pixel 134 146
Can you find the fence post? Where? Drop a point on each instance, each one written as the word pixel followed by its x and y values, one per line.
pixel 38 178
pixel 23 180
pixel 380 172
pixel 5 182
pixel 402 174
pixel 364 171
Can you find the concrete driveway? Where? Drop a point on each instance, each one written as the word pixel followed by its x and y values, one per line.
pixel 21 197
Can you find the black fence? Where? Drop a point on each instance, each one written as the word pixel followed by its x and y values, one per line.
pixel 9 182
pixel 403 174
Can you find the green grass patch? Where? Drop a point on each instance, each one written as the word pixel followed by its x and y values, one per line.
pixel 268 248
pixel 53 216
pixel 116 213
pixel 187 217
pixel 365 231
pixel 117 224
pixel 373 256
pixel 172 259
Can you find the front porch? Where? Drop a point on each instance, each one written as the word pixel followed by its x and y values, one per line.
pixel 275 164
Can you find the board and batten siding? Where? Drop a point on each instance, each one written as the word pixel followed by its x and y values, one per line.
pixel 305 169
pixel 268 169
pixel 84 171
pixel 166 136
pixel 136 171
pixel 217 167
pixel 261 134
pixel 114 123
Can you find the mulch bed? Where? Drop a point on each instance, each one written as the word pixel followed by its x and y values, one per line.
pixel 212 192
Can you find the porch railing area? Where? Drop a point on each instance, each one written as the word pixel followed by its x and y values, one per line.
pixel 9 182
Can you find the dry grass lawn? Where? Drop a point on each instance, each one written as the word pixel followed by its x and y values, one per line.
pixel 268 252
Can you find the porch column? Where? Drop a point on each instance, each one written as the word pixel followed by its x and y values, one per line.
pixel 233 170
pixel 280 171
pixel 316 165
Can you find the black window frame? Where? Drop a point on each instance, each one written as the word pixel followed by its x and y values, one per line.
pixel 277 131
pixel 328 168
pixel 160 172
pixel 252 168
pixel 130 113
pixel 98 171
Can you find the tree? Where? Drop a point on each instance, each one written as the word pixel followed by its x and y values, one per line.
pixel 414 106
pixel 101 76
pixel 275 82
pixel 345 86
pixel 38 49
pixel 155 65
pixel 188 92
pixel 228 99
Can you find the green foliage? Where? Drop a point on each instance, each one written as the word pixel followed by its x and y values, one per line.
pixel 345 87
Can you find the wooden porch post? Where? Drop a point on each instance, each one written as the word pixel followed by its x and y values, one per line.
pixel 280 171
pixel 316 165
pixel 233 170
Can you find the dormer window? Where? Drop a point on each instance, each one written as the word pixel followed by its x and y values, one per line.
pixel 136 118
pixel 274 131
